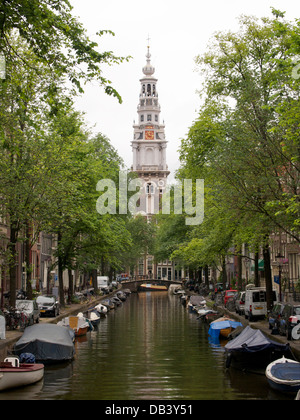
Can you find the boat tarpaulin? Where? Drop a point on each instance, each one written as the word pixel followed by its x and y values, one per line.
pixel 196 300
pixel 286 371
pixel 251 340
pixel 47 342
pixel 217 326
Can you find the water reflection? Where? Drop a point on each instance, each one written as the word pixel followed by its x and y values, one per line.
pixel 149 348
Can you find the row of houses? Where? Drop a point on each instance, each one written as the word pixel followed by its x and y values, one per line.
pixel 44 271
pixel 285 265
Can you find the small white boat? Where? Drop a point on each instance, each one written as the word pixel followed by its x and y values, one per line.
pixel 284 375
pixel 204 311
pixel 195 303
pixel 14 374
pixel 101 309
pixel 77 323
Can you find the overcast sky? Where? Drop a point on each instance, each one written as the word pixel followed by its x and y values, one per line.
pixel 178 31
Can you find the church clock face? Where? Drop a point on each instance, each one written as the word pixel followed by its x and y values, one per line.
pixel 149 135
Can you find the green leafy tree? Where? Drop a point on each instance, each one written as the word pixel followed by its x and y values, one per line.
pixel 58 40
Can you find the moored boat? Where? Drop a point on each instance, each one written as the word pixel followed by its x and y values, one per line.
pixel 92 317
pixel 49 343
pixel 195 303
pixel 126 291
pixel 121 295
pixel 14 374
pixel 284 375
pixel 251 350
pixel 101 309
pixel 205 312
pixel 223 327
pixel 108 303
pixel 148 287
pixel 78 324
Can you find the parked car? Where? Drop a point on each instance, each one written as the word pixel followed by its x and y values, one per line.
pixel 289 319
pixel 240 303
pixel 256 302
pixel 48 305
pixel 275 315
pixel 30 308
pixel 229 294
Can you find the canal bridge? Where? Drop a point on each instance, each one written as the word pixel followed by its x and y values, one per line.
pixel 134 284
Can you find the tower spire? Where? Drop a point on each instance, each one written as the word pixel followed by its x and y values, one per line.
pixel 149 143
pixel 148 69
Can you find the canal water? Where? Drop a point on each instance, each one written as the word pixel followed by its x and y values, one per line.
pixel 149 348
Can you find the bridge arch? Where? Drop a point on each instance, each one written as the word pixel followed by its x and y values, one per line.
pixel 133 285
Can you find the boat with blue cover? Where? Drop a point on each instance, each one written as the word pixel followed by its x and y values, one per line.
pixel 223 327
pixel 284 375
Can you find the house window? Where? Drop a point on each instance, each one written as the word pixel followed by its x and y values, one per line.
pixel 149 117
pixel 142 118
pixel 156 118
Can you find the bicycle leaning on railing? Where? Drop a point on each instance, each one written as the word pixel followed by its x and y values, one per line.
pixel 230 304
pixel 15 319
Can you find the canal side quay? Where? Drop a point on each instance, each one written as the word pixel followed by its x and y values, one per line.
pixel 6 346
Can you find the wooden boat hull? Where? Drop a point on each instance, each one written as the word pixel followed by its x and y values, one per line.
pixel 15 377
pixel 155 287
pixel 225 332
pixel 81 331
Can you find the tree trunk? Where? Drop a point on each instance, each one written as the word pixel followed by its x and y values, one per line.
pixel 71 286
pixel 224 273
pixel 268 277
pixel 239 267
pixel 13 265
pixel 94 279
pixel 256 273
pixel 206 279
pixel 28 263
pixel 60 272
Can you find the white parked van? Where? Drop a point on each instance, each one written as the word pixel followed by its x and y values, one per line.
pixel 103 283
pixel 256 302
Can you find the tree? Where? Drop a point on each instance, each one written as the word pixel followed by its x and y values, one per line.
pixel 22 127
pixel 43 45
pixel 245 141
pixel 57 39
pixel 251 72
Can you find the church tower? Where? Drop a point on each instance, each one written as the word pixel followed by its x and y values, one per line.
pixel 149 143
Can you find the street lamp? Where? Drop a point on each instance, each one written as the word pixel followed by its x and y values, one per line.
pixel 280 258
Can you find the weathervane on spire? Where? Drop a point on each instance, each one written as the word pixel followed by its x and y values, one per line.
pixel 148 46
pixel 148 69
